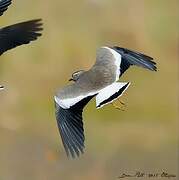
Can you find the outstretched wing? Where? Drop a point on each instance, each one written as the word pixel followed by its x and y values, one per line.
pixel 118 60
pixel 130 57
pixel 4 5
pixel 19 34
pixel 69 118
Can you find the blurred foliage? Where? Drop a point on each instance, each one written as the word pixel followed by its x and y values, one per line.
pixel 144 137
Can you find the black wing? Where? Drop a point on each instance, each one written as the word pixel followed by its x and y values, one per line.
pixel 4 5
pixel 19 34
pixel 130 57
pixel 70 126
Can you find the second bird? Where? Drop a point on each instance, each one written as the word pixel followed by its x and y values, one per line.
pixel 17 34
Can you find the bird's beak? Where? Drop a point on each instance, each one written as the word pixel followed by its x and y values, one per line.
pixel 70 79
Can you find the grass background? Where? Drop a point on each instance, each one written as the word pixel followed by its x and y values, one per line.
pixel 144 137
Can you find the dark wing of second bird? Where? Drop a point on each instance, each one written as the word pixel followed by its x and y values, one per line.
pixel 4 5
pixel 19 34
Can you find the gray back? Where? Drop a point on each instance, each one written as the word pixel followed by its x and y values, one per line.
pixel 102 74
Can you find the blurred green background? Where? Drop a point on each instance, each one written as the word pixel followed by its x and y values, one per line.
pixel 143 137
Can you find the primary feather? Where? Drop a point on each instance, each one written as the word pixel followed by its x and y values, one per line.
pixel 4 5
pixel 19 34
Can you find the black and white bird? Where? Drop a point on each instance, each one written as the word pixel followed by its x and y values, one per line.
pixel 17 34
pixel 101 82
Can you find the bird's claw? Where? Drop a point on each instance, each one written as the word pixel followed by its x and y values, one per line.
pixel 121 102
pixel 117 106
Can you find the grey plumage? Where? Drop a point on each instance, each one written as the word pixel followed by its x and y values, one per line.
pixel 100 81
pixel 99 76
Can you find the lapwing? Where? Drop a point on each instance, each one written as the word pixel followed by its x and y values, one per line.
pixel 101 82
pixel 17 34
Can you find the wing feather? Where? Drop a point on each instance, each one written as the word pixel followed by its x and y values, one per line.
pixel 19 34
pixel 70 125
pixel 118 60
pixel 130 57
pixel 4 5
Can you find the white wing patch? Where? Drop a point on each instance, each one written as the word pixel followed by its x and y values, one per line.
pixel 117 57
pixel 67 103
pixel 105 95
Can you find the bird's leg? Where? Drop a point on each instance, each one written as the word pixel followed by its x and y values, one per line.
pixel 119 106
pixel 121 102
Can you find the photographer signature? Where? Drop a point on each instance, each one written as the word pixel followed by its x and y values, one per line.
pixel 139 174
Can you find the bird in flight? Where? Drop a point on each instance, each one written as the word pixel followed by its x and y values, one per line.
pixel 101 82
pixel 17 34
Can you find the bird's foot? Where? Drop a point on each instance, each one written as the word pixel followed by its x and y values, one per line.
pixel 118 104
pixel 121 102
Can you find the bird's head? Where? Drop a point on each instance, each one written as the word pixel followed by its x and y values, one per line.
pixel 75 76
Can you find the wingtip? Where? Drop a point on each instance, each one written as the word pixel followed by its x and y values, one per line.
pixel 35 22
pixel 71 133
pixel 4 5
pixel 1 87
pixel 75 155
pixel 137 58
pixel 38 22
pixel 153 67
